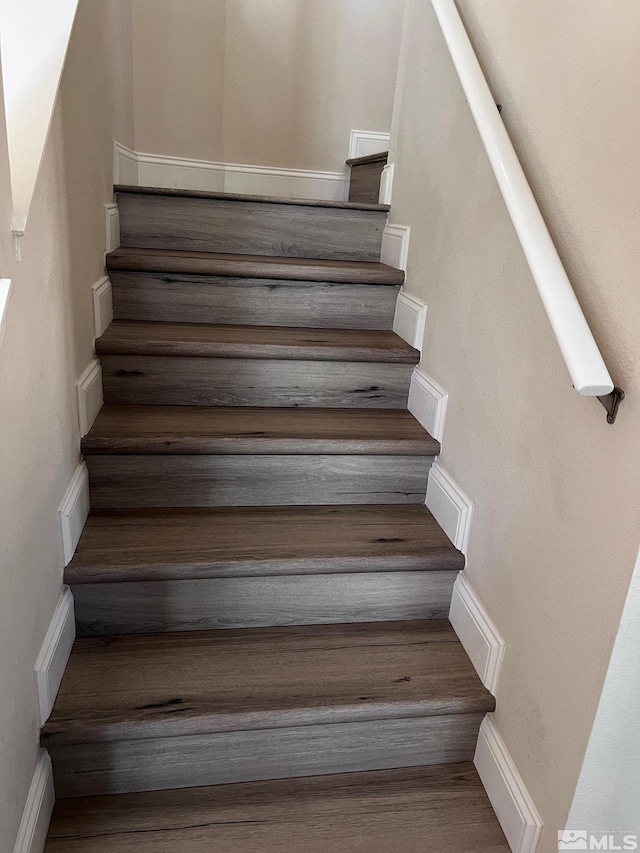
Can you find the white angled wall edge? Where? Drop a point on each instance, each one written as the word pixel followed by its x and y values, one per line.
pixel 480 638
pixel 365 142
pixel 112 227
pixel 73 512
pixel 54 654
pixel 395 246
pixel 36 816
pixel 102 305
pixel 511 801
pixel 386 184
pixel 89 393
pixel 449 505
pixel 410 319
pixel 428 403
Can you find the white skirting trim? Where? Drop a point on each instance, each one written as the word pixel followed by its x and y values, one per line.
pixel 449 505
pixel 511 801
pixel 410 319
pixel 89 393
pixel 180 173
pixel 36 816
pixel 54 654
pixel 428 403
pixel 5 288
pixel 386 184
pixel 73 512
pixel 112 227
pixel 479 636
pixel 395 246
pixel 102 305
pixel 365 142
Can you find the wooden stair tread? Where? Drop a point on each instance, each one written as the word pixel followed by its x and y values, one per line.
pixel 252 266
pixel 380 157
pixel 301 202
pixel 248 430
pixel 132 337
pixel 439 809
pixel 145 545
pixel 140 686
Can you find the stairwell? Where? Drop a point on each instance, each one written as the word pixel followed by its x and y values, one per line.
pixel 264 658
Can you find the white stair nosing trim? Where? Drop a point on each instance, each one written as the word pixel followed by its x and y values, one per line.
pixel 365 142
pixel 112 227
pixel 428 403
pixel 395 246
pixel 36 816
pixel 410 319
pixel 512 803
pixel 449 505
pixel 476 631
pixel 89 395
pixel 386 184
pixel 73 512
pixel 54 654
pixel 102 296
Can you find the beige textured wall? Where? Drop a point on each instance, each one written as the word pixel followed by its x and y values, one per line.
pixel 280 83
pixel 556 490
pixel 47 342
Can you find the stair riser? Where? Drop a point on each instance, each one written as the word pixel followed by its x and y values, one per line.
pixel 197 605
pixel 177 481
pixel 173 298
pixel 182 381
pixel 365 180
pixel 249 227
pixel 196 760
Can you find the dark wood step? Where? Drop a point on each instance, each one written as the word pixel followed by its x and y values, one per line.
pixel 218 222
pixel 380 157
pixel 283 702
pixel 254 342
pixel 192 430
pixel 252 266
pixel 366 174
pixel 119 546
pixel 181 570
pixel 438 809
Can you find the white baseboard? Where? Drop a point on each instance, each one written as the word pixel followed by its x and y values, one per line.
pixel 449 505
pixel 102 305
pixel 89 394
pixel 125 165
pixel 428 403
pixel 36 816
pixel 386 184
pixel 112 227
pixel 73 512
pixel 480 638
pixel 365 142
pixel 395 246
pixel 511 801
pixel 410 319
pixel 180 173
pixel 54 654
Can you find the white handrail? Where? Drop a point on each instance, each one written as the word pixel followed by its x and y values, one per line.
pixel 581 354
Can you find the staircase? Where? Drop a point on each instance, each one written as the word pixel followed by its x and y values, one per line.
pixel 264 660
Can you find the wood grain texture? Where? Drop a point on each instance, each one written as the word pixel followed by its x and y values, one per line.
pixel 441 809
pixel 180 298
pixel 128 337
pixel 289 677
pixel 253 266
pixel 134 481
pixel 149 545
pixel 250 227
pixel 264 199
pixel 254 602
pixel 201 429
pixel 183 381
pixel 241 756
pixel 364 184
